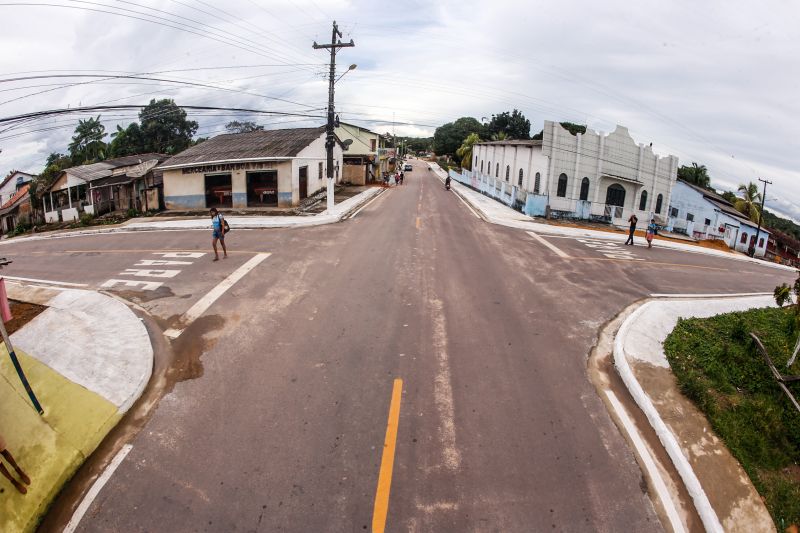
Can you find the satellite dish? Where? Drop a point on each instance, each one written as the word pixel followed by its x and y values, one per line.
pixel 346 143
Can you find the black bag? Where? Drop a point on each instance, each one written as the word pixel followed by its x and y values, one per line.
pixel 225 227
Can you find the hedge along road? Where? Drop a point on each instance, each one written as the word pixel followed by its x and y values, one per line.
pixel 287 423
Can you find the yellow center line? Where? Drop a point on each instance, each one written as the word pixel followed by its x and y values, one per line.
pixel 59 252
pixel 419 222
pixel 387 461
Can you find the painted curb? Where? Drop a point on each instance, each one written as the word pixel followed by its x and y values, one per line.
pixel 707 514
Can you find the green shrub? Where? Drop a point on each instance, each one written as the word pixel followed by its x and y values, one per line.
pixel 86 219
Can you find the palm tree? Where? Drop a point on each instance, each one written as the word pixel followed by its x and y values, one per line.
pixel 87 144
pixel 749 203
pixel 465 150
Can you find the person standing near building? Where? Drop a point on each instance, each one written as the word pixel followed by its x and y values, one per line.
pixel 633 221
pixel 8 458
pixel 219 228
pixel 651 232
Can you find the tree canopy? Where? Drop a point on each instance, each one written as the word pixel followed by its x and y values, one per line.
pixel 87 144
pixel 748 203
pixel 696 175
pixel 245 126
pixel 514 125
pixel 165 128
pixel 465 150
pixel 574 129
pixel 449 137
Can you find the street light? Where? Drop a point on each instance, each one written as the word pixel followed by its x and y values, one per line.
pixel 351 67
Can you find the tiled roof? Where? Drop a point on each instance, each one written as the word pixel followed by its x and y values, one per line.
pixel 17 196
pixel 103 169
pixel 252 145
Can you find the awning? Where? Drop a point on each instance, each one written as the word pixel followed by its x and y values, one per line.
pixel 114 180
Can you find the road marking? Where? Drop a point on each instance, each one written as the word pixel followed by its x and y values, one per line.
pixel 557 251
pixel 381 508
pixel 649 263
pixel 50 282
pixel 143 285
pixel 150 273
pixel 366 204
pixel 649 464
pixel 471 210
pixel 190 255
pixel 717 295
pixel 419 223
pixel 610 249
pixel 205 302
pixel 160 262
pixel 96 488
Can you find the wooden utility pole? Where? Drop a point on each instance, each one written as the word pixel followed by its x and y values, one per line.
pixel 330 141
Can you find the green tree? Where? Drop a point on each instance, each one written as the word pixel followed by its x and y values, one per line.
pixel 128 141
pixel 695 174
pixel 448 138
pixel 574 129
pixel 514 125
pixel 164 127
pixel 87 144
pixel 730 196
pixel 465 150
pixel 234 126
pixel 748 204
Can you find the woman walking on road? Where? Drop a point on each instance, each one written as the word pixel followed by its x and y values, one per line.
pixel 219 229
pixel 632 220
pixel 651 232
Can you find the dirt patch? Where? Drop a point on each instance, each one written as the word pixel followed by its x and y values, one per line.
pixel 188 349
pixel 22 313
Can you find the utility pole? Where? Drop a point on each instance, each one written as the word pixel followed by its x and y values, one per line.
pixel 760 215
pixel 330 141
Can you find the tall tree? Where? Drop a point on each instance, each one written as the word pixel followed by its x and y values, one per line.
pixel 128 141
pixel 449 137
pixel 748 204
pixel 87 144
pixel 696 175
pixel 514 125
pixel 465 150
pixel 165 128
pixel 234 126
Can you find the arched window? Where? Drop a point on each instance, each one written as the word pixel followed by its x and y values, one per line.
pixel 476 160
pixel 537 183
pixel 659 201
pixel 561 191
pixel 519 181
pixel 489 167
pixel 497 170
pixel 481 167
pixel 584 189
pixel 615 195
pixel 643 201
pixel 508 172
pixel 744 238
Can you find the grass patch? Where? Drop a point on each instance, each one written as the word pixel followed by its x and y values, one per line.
pixel 720 370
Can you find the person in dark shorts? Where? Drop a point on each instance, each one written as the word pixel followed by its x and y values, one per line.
pixel 8 458
pixel 218 233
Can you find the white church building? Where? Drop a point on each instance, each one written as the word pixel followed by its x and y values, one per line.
pixel 596 176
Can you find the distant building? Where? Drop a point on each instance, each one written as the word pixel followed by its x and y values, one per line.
pixel 16 209
pixel 119 184
pixel 704 214
pixel 271 168
pixel 362 163
pixel 13 182
pixel 589 176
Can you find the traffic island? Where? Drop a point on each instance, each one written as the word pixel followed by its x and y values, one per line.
pixel 88 358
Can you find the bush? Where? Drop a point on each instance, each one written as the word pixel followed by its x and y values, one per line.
pixel 132 213
pixel 86 219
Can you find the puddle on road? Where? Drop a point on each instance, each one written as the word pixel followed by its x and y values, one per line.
pixel 188 349
pixel 140 297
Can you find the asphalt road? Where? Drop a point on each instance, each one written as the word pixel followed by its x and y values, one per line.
pixel 278 420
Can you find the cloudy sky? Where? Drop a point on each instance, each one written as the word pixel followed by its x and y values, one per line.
pixel 712 82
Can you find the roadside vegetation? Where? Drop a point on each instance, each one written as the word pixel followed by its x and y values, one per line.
pixel 719 368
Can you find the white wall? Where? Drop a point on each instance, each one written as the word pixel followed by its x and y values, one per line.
pixel 514 156
pixel 689 201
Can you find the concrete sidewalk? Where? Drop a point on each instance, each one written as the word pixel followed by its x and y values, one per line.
pixel 338 213
pixel 722 492
pixel 88 359
pixel 497 213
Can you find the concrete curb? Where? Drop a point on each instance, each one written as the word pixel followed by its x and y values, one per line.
pixel 520 221
pixel 90 338
pixel 645 345
pixel 340 212
pixel 707 514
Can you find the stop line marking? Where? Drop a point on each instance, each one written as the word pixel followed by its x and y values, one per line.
pixel 202 305
pixel 558 251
